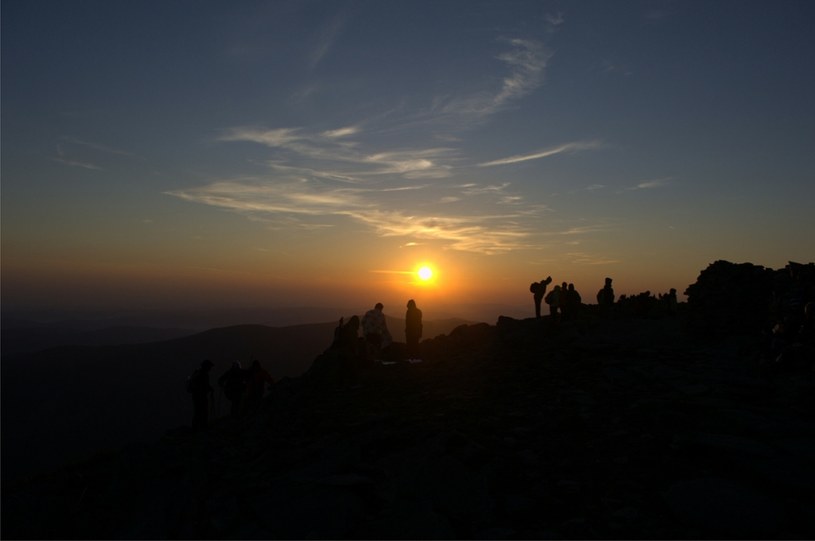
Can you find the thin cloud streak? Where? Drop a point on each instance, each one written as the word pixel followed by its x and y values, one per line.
pixel 650 184
pixel 565 148
pixel 326 41
pixel 63 159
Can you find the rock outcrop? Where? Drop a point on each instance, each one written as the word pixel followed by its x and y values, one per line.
pixel 730 298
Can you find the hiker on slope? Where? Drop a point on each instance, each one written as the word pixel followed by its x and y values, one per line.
pixel 198 385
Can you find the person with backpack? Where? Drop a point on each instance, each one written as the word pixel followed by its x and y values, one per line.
pixel 538 290
pixel 198 385
pixel 233 385
pixel 375 330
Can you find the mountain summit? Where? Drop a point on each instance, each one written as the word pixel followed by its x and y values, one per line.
pixel 626 427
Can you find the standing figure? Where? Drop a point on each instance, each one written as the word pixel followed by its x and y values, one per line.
pixel 413 329
pixel 233 385
pixel 605 298
pixel 671 302
pixel 256 381
pixel 553 299
pixel 571 303
pixel 538 290
pixel 375 329
pixel 198 385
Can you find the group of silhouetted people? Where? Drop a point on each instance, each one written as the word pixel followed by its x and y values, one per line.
pixel 376 344
pixel 244 388
pixel 564 301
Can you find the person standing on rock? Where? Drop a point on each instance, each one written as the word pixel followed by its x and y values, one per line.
pixel 605 298
pixel 553 300
pixel 413 329
pixel 376 331
pixel 233 385
pixel 571 303
pixel 198 385
pixel 538 290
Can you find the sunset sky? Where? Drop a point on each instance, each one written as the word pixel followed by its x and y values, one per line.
pixel 287 153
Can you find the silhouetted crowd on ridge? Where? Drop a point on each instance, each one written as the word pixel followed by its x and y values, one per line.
pixel 726 298
pixel 566 304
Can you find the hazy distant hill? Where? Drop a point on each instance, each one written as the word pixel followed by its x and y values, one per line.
pixel 39 337
pixel 80 399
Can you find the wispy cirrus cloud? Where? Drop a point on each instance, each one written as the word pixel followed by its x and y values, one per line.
pixel 318 178
pixel 487 234
pixel 526 61
pixel 96 146
pixel 325 41
pixel 582 258
pixel 335 151
pixel 650 184
pixel 545 153
pixel 62 158
pixel 553 20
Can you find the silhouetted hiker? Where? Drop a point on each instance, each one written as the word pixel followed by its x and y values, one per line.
pixel 538 290
pixel 256 379
pixel 376 331
pixel 605 298
pixel 671 303
pixel 233 385
pixel 198 385
pixel 571 303
pixel 413 329
pixel 553 300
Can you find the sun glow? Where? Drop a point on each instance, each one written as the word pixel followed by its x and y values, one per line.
pixel 425 273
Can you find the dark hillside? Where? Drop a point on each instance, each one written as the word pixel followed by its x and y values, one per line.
pixel 69 402
pixel 625 428
pixel 30 338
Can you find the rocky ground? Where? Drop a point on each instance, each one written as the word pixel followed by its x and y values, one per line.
pixel 606 429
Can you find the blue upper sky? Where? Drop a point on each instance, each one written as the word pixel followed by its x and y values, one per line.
pixel 215 144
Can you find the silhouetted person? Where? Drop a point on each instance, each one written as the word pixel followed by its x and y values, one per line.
pixel 256 379
pixel 375 330
pixel 605 299
pixel 671 303
pixel 200 388
pixel 233 385
pixel 571 302
pixel 538 290
pixel 413 329
pixel 553 299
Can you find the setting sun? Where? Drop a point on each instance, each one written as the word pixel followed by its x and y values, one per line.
pixel 425 273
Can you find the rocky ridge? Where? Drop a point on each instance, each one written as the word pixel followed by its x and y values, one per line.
pixel 601 429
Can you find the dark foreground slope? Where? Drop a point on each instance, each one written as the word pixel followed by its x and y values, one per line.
pixel 66 403
pixel 614 429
